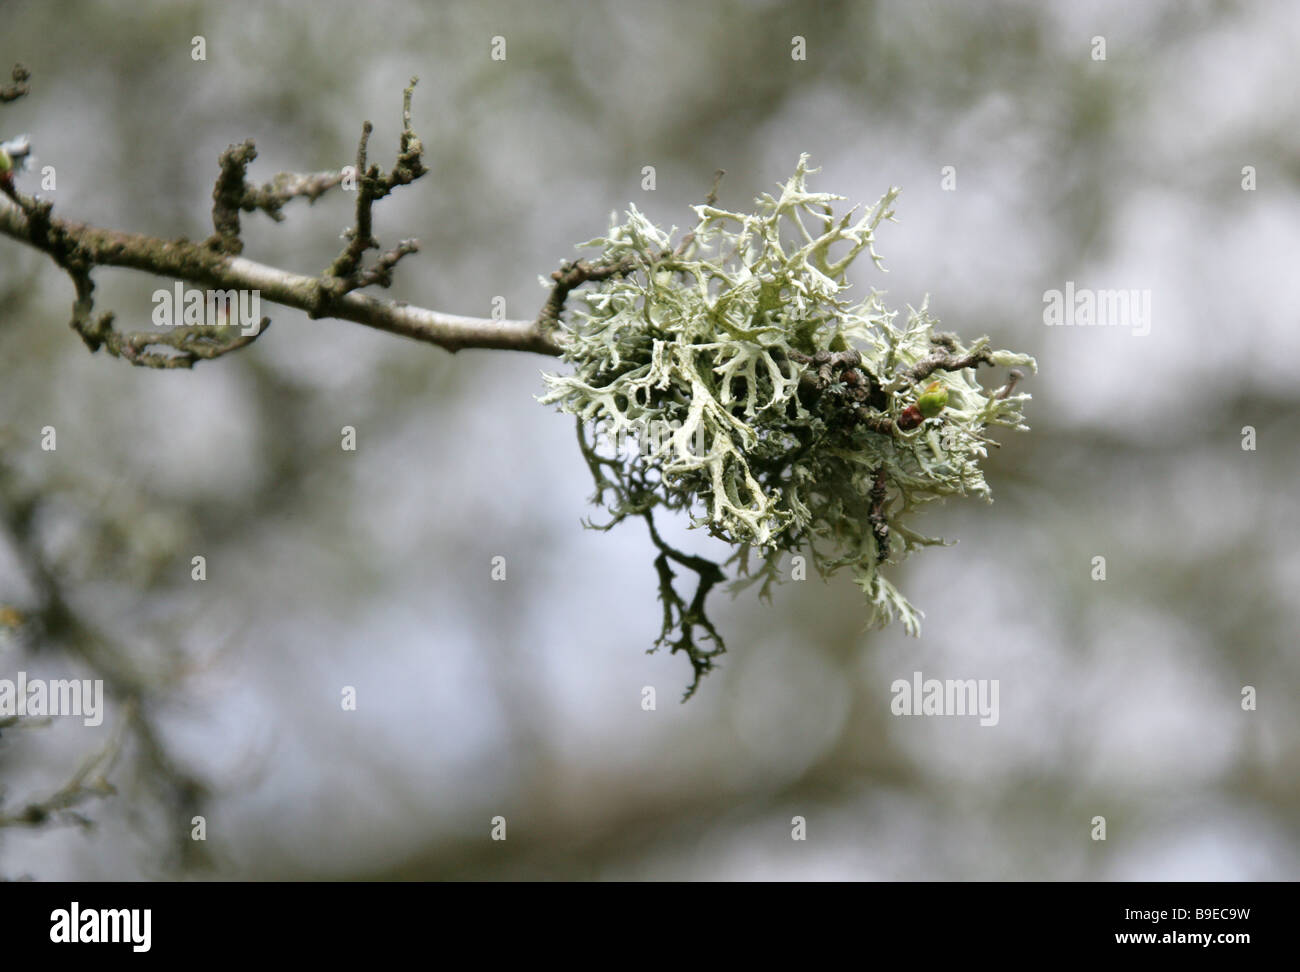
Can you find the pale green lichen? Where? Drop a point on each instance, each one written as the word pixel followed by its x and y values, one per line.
pixel 733 376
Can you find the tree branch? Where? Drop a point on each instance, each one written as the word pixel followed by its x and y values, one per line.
pixel 192 262
pixel 946 359
pixel 88 782
pixel 216 263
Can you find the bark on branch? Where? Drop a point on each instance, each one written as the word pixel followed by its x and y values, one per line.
pixel 195 263
pixel 217 264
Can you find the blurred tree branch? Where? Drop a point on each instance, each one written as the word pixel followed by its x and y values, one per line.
pixel 89 782
pixel 56 621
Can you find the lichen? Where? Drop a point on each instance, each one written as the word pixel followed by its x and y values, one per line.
pixel 734 378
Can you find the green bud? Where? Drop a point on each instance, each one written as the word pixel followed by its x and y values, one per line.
pixel 6 163
pixel 933 399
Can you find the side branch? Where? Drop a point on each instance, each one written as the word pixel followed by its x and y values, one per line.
pixel 947 359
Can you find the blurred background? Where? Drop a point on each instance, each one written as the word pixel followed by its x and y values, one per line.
pixel 522 698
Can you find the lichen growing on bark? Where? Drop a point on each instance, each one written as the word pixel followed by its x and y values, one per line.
pixel 734 377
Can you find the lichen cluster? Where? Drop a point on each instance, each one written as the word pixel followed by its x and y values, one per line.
pixel 733 376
